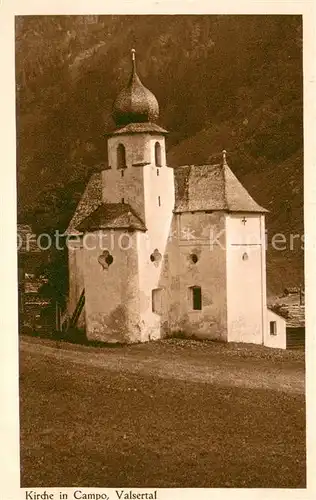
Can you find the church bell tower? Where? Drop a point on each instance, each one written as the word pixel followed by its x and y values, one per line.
pixel 138 176
pixel 138 173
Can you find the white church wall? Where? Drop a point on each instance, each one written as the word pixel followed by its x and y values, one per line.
pixel 169 279
pixel 137 148
pixel 263 273
pixel 129 184
pixel 76 280
pixel 153 272
pixel 246 295
pixel 152 277
pixel 275 332
pixel 202 235
pixel 152 140
pixel 112 298
pixel 127 189
pixel 72 283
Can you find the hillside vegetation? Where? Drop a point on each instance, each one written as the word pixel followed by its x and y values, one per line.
pixel 232 82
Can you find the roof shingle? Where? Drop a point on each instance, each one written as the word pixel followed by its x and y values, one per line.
pixel 197 188
pixel 140 128
pixel 90 201
pixel 211 187
pixel 112 216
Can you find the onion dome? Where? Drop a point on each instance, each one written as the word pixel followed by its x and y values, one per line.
pixel 135 103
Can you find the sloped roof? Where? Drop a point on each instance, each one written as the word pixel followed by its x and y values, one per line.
pixel 112 216
pixel 135 103
pixel 197 188
pixel 138 128
pixel 211 187
pixel 90 201
pixel 294 314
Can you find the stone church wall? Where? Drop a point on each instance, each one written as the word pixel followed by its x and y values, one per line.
pixel 153 251
pixel 112 295
pixel 199 236
pixel 246 278
pixel 127 189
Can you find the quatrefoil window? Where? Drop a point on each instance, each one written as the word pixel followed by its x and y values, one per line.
pixel 156 257
pixel 105 259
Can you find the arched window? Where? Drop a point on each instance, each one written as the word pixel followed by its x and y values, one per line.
pixel 157 154
pixel 121 156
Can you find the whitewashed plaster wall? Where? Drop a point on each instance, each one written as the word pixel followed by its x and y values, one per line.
pixel 193 235
pixel 278 340
pixel 246 288
pixel 76 279
pixel 112 295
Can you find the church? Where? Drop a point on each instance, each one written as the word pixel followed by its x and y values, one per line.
pixel 155 251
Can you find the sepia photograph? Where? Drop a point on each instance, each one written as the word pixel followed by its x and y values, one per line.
pixel 160 252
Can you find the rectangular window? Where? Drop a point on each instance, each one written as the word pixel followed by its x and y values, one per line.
pixel 158 172
pixel 156 300
pixel 273 328
pixel 196 298
pixel 159 201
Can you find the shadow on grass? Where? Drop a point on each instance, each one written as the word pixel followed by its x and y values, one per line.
pixel 72 336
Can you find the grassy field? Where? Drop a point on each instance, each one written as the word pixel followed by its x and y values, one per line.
pixel 89 426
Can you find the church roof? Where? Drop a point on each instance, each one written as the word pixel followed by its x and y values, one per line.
pixel 90 200
pixel 138 128
pixel 197 188
pixel 211 187
pixel 112 216
pixel 135 103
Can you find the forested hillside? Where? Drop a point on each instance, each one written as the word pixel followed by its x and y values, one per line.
pixel 232 82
